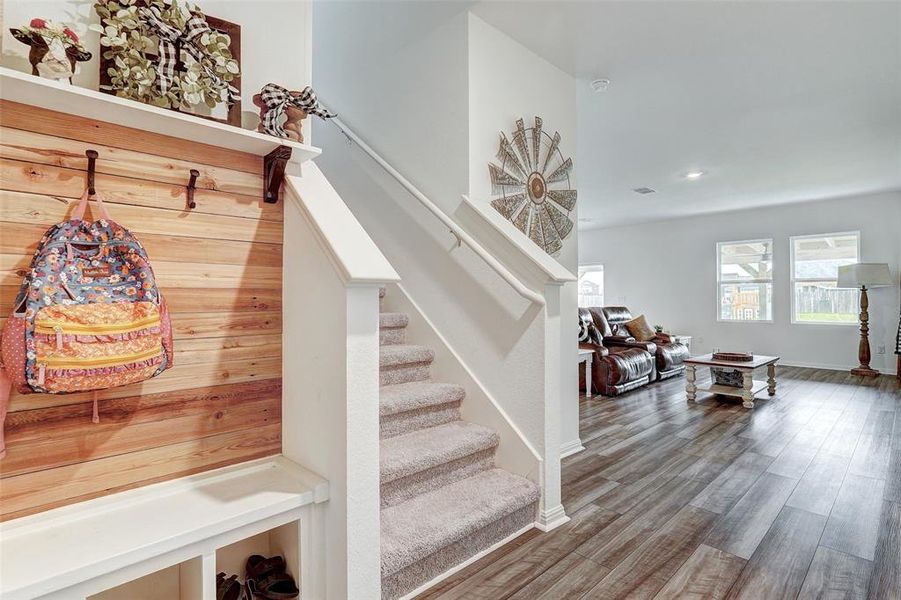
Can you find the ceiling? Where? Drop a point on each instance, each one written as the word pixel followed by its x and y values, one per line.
pixel 776 102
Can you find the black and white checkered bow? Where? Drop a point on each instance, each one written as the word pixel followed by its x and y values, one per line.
pixel 170 37
pixel 276 98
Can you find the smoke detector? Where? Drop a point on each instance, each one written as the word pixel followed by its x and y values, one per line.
pixel 644 190
pixel 600 85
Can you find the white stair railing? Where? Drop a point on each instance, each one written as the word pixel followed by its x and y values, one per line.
pixel 455 229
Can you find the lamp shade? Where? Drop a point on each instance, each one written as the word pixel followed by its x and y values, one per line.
pixel 860 274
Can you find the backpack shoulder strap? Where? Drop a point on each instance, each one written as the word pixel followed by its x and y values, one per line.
pixel 78 213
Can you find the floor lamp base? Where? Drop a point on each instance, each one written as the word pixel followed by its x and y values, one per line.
pixel 865 372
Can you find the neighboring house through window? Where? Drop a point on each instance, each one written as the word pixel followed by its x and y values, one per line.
pixel 591 285
pixel 815 260
pixel 745 280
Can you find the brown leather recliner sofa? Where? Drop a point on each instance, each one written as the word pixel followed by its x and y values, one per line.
pixel 669 355
pixel 615 370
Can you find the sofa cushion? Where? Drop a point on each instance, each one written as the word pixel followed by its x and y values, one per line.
pixel 629 365
pixel 616 317
pixel 670 356
pixel 640 329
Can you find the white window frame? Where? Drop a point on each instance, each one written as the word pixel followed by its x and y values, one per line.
pixel 720 281
pixel 793 280
pixel 586 268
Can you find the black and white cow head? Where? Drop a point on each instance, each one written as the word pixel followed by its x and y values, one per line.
pixel 54 49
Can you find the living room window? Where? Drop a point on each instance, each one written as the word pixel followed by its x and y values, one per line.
pixel 815 260
pixel 591 285
pixel 745 281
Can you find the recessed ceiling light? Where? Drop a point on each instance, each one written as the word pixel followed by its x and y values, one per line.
pixel 693 174
pixel 600 85
pixel 644 190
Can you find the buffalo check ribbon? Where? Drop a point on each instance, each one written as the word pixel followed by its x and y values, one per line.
pixel 170 37
pixel 277 99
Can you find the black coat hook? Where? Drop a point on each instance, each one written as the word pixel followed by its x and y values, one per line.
pixel 92 158
pixel 192 185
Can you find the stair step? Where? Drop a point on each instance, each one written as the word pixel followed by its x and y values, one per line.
pixel 412 453
pixel 444 527
pixel 404 397
pixel 392 328
pixel 426 459
pixel 402 363
pixel 404 354
pixel 408 407
pixel 393 319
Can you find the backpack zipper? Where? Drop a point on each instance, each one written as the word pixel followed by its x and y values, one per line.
pixel 50 327
pixel 63 362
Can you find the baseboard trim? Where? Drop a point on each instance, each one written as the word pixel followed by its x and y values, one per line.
pixel 572 447
pixel 846 368
pixel 468 562
pixel 552 519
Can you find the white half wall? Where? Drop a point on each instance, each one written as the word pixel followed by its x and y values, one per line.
pixel 507 81
pixel 667 271
pixel 330 421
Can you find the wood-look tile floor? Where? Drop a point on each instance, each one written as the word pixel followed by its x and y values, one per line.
pixel 798 498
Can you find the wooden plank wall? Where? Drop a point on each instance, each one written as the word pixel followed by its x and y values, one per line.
pixel 219 267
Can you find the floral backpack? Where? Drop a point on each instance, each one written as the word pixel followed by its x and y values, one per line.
pixel 88 315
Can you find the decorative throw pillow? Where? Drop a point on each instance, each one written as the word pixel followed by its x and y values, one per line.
pixel 588 333
pixel 583 331
pixel 640 330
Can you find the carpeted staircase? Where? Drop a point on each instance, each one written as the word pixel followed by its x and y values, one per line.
pixel 443 500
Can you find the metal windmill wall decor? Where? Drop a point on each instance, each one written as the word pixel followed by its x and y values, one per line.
pixel 534 187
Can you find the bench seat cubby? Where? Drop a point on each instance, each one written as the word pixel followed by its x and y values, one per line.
pixel 168 540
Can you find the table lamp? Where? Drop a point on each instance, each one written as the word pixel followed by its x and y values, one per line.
pixel 862 276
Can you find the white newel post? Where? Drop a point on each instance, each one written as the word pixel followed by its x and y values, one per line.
pixel 551 512
pixel 332 273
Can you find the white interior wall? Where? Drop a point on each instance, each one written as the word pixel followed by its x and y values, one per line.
pixel 507 81
pixel 667 271
pixel 396 74
pixel 275 41
pixel 409 101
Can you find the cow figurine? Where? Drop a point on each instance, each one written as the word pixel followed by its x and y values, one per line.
pixel 291 128
pixel 275 101
pixel 54 49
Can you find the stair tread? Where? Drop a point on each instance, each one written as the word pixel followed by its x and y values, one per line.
pixel 401 397
pixel 404 354
pixel 417 451
pixel 421 526
pixel 393 320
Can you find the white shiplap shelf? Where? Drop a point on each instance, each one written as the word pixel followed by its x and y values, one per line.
pixel 81 549
pixel 25 88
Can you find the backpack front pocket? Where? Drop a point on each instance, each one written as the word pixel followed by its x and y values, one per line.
pixel 95 346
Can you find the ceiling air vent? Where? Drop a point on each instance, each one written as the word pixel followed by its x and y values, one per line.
pixel 644 190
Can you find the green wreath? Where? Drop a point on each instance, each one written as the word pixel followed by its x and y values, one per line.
pixel 139 37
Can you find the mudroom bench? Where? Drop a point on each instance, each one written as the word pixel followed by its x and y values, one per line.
pixel 167 540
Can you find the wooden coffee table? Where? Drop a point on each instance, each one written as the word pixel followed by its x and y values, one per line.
pixel 750 386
